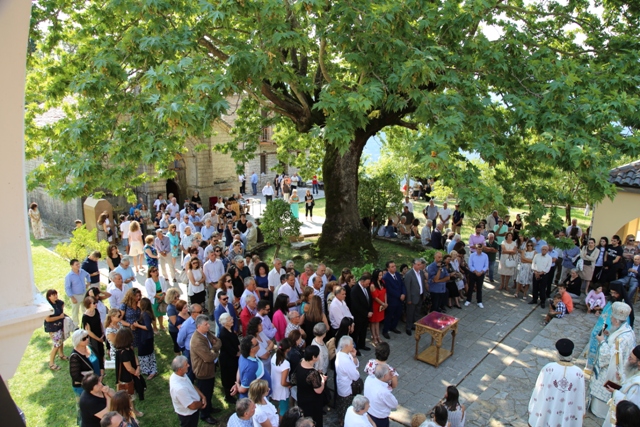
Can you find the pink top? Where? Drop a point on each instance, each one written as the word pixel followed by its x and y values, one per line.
pixel 599 298
pixel 135 236
pixel 280 323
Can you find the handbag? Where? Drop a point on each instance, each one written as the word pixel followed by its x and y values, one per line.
pixel 510 262
pixel 580 265
pixel 357 386
pixel 128 387
pixel 69 326
pixel 162 307
pixel 182 277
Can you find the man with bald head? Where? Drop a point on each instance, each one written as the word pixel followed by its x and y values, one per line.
pixel 540 266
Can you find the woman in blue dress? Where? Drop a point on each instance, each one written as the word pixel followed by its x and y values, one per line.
pixel 130 309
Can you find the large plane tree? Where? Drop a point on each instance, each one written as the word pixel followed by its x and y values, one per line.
pixel 529 86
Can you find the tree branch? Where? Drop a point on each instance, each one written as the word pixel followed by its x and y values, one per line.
pixel 323 46
pixel 212 49
pixel 408 125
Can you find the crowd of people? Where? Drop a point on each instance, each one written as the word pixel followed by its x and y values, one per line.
pixel 287 342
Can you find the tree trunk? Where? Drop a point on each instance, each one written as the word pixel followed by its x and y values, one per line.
pixel 343 234
pixel 567 213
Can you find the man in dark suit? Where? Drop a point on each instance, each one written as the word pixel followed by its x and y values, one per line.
pixel 362 310
pixel 416 284
pixel 396 294
pixel 225 307
pixel 436 237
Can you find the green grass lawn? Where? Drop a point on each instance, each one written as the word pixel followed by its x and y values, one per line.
pixel 318 209
pixel 46 396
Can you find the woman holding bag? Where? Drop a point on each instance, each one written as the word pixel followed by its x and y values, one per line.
pixel 128 374
pixel 157 287
pixel 54 324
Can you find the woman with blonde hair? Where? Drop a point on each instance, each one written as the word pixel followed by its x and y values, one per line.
pixel 136 247
pixel 150 252
pixel 174 240
pixel 293 202
pixel 266 414
pixel 111 327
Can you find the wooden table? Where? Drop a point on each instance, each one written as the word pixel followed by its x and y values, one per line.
pixel 437 325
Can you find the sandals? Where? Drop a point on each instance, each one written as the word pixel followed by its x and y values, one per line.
pixel 63 357
pixel 152 376
pixel 54 367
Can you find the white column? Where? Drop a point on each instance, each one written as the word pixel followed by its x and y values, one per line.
pixel 22 308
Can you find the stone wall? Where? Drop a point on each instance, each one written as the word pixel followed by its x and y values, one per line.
pixel 224 178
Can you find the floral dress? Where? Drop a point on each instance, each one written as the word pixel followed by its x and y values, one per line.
pixel 151 262
pixel 525 274
pixel 132 315
pixel 112 348
pixel 36 224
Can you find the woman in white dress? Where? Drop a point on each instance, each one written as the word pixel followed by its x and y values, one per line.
pixel 266 414
pixel 525 274
pixel 508 253
pixel 280 376
pixel 36 222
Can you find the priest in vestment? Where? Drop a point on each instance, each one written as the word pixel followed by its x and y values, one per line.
pixel 559 395
pixel 630 390
pixel 614 349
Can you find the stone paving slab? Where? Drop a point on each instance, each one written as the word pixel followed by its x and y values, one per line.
pixel 505 401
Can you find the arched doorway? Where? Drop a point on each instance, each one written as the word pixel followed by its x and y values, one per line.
pixel 173 187
pixel 630 228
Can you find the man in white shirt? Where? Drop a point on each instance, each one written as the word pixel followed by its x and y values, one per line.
pixel 173 208
pixel 381 400
pixel 116 289
pixel 444 214
pixel 541 265
pixel 291 288
pixel 159 201
pixel 425 235
pixel 338 309
pixel 213 271
pixel 186 398
pixel 124 230
pixel 267 192
pixel 320 271
pixel 274 275
pixel 184 223
pixel 408 204
pixel 356 415
pixel 249 289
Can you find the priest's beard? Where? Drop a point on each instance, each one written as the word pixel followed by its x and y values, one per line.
pixel 614 328
pixel 631 369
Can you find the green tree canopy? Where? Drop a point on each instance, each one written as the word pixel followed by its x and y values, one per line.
pixel 555 88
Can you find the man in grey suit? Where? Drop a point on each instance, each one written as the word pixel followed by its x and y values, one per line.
pixel 416 283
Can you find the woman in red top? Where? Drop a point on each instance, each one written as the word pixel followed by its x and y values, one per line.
pixel 379 295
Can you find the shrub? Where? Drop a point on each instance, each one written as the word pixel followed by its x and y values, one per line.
pixel 82 243
pixel 278 224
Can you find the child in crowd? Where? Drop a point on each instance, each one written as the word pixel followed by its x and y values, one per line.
pixel 557 309
pixel 595 300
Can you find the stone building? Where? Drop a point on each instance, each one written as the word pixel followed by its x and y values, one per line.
pixel 211 173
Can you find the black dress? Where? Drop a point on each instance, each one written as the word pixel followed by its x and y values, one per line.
pixel 228 360
pixel 115 261
pixel 96 328
pixel 127 355
pixel 308 380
